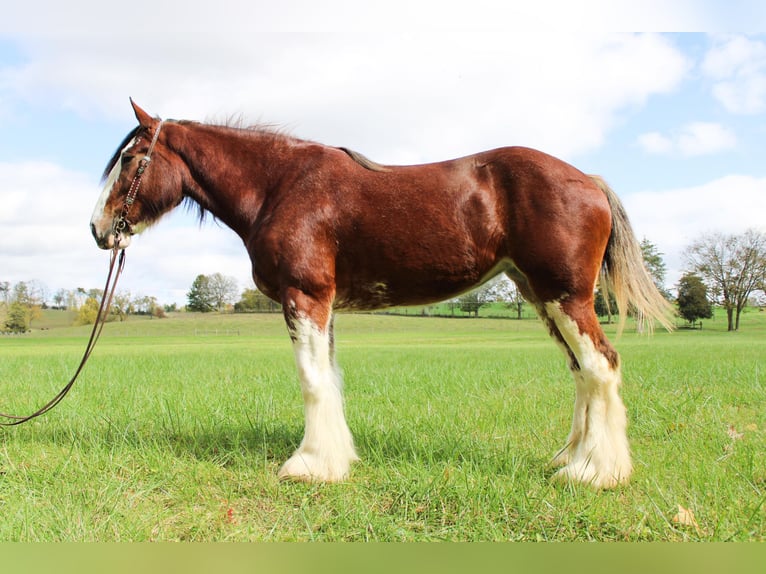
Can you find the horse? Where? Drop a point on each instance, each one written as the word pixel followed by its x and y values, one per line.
pixel 327 229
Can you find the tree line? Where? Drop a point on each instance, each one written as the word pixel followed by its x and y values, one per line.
pixel 22 304
pixel 727 270
pixel 218 292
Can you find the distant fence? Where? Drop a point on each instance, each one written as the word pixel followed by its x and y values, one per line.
pixel 215 332
pixel 138 331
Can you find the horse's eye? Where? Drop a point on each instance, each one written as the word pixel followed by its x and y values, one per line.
pixel 126 159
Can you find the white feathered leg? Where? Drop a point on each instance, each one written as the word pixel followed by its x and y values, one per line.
pixel 327 449
pixel 597 450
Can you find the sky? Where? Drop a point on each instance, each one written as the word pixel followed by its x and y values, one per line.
pixel 664 99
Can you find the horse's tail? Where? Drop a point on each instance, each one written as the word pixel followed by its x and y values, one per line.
pixel 625 275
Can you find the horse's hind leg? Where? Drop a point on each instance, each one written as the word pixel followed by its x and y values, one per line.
pixel 596 451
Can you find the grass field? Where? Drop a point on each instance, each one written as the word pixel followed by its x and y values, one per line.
pixel 175 432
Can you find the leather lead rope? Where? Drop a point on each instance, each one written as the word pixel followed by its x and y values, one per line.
pixel 116 264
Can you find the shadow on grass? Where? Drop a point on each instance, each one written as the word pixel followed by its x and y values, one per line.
pixel 273 441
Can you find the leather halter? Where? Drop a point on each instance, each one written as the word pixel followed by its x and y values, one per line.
pixel 121 223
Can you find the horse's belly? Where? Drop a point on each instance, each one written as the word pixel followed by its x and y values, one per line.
pixel 406 289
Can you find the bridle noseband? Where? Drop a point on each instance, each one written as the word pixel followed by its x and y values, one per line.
pixel 122 223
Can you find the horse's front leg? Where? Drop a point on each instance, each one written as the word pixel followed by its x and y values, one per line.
pixel 327 449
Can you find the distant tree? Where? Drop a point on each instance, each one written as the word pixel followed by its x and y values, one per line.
pixel 604 307
pixel 5 292
pixel 248 302
pixel 22 298
pixel 499 289
pixel 122 305
pixel 17 318
pixel 471 302
pixel 252 300
pixel 21 294
pixel 654 264
pixel 732 266
pixel 693 302
pixel 223 290
pixel 88 312
pixel 72 299
pixel 39 293
pixel 144 305
pixel 474 300
pixel 199 297
pixel 502 290
pixel 516 300
pixel 60 299
pixel 170 308
pixel 80 295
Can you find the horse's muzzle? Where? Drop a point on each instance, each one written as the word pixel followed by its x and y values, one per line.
pixel 107 240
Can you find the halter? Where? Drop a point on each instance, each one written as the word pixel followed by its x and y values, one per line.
pixel 122 221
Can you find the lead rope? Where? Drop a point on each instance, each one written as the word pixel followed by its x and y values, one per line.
pixel 117 261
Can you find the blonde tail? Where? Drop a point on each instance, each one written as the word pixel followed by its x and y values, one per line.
pixel 625 274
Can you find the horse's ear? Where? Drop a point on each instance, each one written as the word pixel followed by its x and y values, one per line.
pixel 144 119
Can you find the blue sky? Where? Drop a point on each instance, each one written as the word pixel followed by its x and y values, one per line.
pixel 674 121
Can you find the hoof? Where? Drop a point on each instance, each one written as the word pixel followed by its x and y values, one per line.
pixel 306 467
pixel 586 473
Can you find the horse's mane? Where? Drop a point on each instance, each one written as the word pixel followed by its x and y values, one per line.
pixel 238 124
pixel 364 161
pixel 116 157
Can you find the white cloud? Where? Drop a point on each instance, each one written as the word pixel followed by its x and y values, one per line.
pixel 40 196
pixel 44 219
pixel 673 218
pixel 738 67
pixel 241 20
pixel 399 97
pixel 694 139
pixel 703 138
pixel 656 143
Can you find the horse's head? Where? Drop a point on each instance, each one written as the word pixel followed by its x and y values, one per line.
pixel 142 183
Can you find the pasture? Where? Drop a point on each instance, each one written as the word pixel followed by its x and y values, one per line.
pixel 172 435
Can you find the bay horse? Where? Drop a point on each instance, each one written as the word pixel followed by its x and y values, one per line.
pixel 327 229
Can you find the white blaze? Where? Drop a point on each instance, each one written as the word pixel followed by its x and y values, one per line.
pixel 99 222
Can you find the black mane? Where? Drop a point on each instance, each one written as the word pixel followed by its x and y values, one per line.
pixel 116 156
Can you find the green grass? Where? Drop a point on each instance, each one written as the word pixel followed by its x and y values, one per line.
pixel 175 436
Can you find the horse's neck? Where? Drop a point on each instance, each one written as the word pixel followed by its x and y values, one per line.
pixel 229 170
